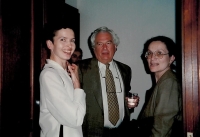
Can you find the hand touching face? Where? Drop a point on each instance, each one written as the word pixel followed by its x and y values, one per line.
pixel 73 72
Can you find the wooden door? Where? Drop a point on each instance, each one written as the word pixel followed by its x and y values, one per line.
pixel 15 67
pixel 190 10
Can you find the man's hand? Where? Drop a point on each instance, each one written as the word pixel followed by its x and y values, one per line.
pixel 135 102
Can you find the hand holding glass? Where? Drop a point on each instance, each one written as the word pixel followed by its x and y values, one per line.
pixel 132 99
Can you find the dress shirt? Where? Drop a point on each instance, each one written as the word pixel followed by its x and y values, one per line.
pixel 119 91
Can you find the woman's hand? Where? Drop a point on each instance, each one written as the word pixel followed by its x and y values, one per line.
pixel 73 72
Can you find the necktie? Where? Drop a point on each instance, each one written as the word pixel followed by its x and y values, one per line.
pixel 113 107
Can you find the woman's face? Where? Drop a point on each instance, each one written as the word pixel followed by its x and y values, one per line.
pixel 159 62
pixel 63 45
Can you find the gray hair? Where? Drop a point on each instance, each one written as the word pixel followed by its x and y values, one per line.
pixel 104 29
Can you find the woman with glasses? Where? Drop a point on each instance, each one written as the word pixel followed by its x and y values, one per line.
pixel 163 110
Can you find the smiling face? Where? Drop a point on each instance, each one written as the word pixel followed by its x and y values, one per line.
pixel 104 47
pixel 63 45
pixel 159 65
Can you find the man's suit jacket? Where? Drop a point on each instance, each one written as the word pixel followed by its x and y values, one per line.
pixel 90 80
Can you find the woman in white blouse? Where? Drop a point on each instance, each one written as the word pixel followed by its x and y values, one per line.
pixel 62 102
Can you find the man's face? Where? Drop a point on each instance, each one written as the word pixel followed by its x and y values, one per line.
pixel 76 56
pixel 104 47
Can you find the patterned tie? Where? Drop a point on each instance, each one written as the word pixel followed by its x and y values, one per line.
pixel 113 107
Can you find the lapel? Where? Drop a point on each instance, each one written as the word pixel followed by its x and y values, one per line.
pixel 120 68
pixel 95 82
pixel 93 79
pixel 123 72
pixel 97 85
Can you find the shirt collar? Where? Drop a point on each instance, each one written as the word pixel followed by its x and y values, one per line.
pixel 101 65
pixel 55 64
pixel 112 67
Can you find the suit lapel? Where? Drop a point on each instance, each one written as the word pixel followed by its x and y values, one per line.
pixel 96 83
pixel 121 73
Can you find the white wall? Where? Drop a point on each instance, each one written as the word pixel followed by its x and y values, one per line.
pixel 134 21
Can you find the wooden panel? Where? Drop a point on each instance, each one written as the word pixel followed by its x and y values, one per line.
pixel 15 88
pixel 190 65
pixel 1 74
pixel 31 74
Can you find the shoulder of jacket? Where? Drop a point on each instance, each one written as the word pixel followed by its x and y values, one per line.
pixel 122 64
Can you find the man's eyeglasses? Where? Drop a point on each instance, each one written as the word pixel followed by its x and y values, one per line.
pixel 157 54
pixel 108 43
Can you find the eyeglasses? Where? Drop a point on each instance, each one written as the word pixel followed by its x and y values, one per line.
pixel 108 43
pixel 157 54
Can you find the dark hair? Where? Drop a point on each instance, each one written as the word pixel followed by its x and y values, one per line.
pixel 79 50
pixel 169 43
pixel 51 28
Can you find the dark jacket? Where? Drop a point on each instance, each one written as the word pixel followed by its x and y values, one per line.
pixel 93 124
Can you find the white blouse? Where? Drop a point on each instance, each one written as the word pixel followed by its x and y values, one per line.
pixel 60 103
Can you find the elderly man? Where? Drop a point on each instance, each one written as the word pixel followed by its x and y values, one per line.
pixel 106 83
